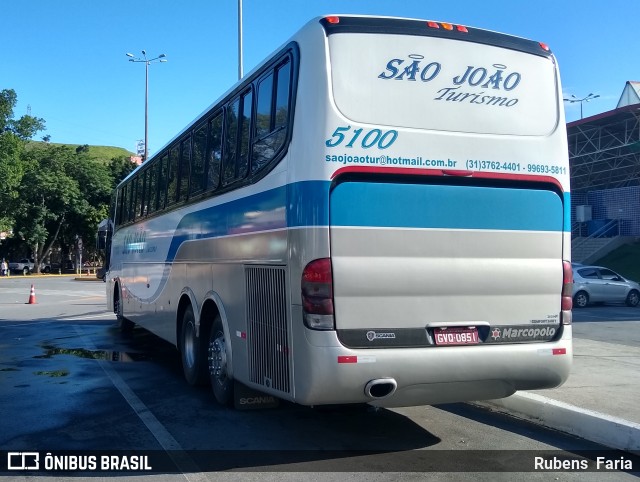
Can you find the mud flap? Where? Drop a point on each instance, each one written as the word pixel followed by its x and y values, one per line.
pixel 246 398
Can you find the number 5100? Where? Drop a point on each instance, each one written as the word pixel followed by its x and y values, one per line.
pixel 373 137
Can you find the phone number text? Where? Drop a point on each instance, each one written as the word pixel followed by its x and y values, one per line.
pixel 474 164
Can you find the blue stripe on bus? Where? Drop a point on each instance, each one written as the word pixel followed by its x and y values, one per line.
pixel 446 207
pixel 259 212
pixel 376 205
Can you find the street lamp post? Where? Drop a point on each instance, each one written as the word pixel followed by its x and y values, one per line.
pixel 574 99
pixel 147 62
pixel 240 68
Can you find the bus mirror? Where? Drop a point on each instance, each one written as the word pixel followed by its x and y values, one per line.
pixel 102 241
pixel 104 233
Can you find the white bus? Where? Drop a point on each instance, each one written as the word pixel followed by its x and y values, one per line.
pixel 379 213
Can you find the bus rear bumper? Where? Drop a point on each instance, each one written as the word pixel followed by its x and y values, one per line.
pixel 329 373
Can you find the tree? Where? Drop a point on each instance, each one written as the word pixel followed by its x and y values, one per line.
pixel 119 168
pixel 26 126
pixel 13 136
pixel 48 195
pixel 66 195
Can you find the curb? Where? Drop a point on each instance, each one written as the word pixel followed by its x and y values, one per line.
pixel 597 427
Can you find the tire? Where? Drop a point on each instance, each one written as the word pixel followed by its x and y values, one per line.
pixel 221 382
pixel 193 351
pixel 633 298
pixel 126 326
pixel 581 299
pixel 25 271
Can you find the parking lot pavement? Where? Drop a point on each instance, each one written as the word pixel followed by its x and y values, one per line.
pixel 599 401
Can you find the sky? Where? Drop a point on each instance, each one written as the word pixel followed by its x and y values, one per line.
pixel 66 59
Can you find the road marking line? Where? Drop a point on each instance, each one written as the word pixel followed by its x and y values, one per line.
pixel 76 318
pixel 182 460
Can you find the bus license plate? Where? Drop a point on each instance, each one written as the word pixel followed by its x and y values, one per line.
pixel 456 336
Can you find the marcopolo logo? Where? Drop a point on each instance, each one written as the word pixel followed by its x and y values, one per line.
pixel 372 335
pixel 508 334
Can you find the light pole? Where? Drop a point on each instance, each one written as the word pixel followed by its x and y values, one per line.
pixel 240 69
pixel 147 62
pixel 574 99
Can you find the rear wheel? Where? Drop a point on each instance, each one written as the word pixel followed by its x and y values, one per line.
pixel 193 350
pixel 221 381
pixel 633 298
pixel 581 299
pixel 25 271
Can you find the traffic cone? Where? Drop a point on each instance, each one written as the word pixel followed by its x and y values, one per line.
pixel 32 296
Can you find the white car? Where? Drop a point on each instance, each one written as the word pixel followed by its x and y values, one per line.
pixel 595 284
pixel 24 266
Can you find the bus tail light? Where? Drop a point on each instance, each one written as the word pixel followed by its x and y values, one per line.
pixel 317 295
pixel 567 292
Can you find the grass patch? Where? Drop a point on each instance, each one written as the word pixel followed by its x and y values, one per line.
pixel 96 153
pixel 624 260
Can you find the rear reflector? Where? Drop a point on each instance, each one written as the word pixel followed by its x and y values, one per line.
pixel 566 303
pixel 347 359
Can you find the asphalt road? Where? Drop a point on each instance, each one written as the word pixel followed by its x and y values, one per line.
pixel 70 381
pixel 611 323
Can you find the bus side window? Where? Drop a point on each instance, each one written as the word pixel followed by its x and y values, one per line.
pixel 272 116
pixel 126 203
pixel 172 189
pixel 139 188
pixel 198 160
pixel 185 168
pixel 231 143
pixel 144 196
pixel 214 153
pixel 121 200
pixel 245 135
pixel 132 203
pixel 163 175
pixel 282 96
pixel 153 187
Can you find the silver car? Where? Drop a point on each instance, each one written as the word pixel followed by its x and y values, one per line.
pixel 595 284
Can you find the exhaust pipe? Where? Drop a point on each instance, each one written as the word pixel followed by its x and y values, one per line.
pixel 380 388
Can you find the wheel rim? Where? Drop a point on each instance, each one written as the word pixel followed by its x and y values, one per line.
pixel 218 358
pixel 634 298
pixel 581 300
pixel 188 345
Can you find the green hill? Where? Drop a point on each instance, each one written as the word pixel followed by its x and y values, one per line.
pixel 98 153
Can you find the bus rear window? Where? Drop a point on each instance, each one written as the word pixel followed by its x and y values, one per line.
pixel 442 84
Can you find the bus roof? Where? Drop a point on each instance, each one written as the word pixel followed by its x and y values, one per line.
pixel 334 24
